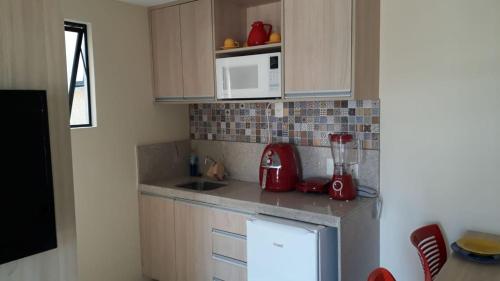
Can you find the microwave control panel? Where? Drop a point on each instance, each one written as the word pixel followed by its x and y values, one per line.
pixel 274 73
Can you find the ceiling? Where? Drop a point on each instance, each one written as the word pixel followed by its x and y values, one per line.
pixel 146 2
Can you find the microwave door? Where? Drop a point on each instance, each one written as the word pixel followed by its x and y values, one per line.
pixel 242 81
pixel 241 78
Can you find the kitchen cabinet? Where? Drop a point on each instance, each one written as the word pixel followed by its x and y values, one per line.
pixel 157 237
pixel 331 48
pixel 182 240
pixel 193 242
pixel 197 49
pixel 219 235
pixel 229 246
pixel 182 46
pixel 317 46
pixel 229 253
pixel 166 47
pixel 226 271
pixel 229 221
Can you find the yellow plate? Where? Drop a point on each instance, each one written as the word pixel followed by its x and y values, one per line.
pixel 480 245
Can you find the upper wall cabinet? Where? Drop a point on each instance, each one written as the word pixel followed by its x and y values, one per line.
pixel 330 47
pixel 167 61
pixel 183 51
pixel 324 46
pixel 317 47
pixel 197 49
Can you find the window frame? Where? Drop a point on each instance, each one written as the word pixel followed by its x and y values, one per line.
pixel 82 32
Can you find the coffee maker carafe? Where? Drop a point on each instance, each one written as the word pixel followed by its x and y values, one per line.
pixel 342 186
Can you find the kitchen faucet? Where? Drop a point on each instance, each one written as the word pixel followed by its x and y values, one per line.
pixel 208 158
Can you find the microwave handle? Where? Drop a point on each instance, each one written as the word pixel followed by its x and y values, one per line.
pixel 225 73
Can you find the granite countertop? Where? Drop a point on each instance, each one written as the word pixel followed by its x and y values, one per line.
pixel 248 197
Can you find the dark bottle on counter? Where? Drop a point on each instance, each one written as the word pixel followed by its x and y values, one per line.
pixel 193 165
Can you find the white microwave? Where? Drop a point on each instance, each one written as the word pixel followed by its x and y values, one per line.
pixel 249 77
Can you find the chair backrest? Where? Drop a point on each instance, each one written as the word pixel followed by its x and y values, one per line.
pixel 431 249
pixel 381 274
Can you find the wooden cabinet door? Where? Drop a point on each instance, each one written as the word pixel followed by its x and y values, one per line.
pixel 167 62
pixel 193 242
pixel 317 44
pixel 197 49
pixel 157 237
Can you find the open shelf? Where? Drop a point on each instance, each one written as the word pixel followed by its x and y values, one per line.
pixel 268 48
pixel 233 19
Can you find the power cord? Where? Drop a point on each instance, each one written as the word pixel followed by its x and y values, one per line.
pixel 369 192
pixel 268 113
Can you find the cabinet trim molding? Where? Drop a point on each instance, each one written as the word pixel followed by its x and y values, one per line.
pixel 319 94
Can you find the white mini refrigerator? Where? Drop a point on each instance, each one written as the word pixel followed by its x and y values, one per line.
pixel 287 250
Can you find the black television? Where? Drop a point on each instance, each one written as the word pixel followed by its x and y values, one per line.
pixel 27 214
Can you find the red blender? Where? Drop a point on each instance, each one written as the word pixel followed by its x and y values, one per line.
pixel 342 186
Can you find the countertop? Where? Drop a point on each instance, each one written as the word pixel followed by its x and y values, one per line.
pixel 249 198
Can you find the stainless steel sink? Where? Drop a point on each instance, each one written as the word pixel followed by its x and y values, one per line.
pixel 201 185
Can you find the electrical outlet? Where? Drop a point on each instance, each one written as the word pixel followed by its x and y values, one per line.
pixel 329 167
pixel 278 110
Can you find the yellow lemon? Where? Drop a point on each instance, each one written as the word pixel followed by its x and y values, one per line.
pixel 275 37
pixel 230 43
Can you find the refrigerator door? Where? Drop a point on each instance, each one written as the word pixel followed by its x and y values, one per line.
pixel 279 249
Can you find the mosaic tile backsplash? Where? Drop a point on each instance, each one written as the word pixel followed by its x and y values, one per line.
pixel 303 123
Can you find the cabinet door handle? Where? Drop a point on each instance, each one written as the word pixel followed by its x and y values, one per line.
pixel 229 260
pixel 228 234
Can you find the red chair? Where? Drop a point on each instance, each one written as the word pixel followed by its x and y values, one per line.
pixel 381 274
pixel 431 249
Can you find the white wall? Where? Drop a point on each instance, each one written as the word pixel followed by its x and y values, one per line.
pixel 104 157
pixel 440 102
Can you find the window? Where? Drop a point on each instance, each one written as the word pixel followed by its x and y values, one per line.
pixel 77 61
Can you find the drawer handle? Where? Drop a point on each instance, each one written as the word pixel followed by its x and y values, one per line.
pixel 228 234
pixel 229 260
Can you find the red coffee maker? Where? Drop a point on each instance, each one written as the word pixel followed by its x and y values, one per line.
pixel 279 168
pixel 342 186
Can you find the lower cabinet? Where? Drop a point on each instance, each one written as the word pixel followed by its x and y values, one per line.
pixel 227 270
pixel 157 237
pixel 188 241
pixel 193 250
pixel 229 246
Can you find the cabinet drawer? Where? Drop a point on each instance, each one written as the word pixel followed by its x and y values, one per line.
pixel 229 245
pixel 230 221
pixel 227 270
